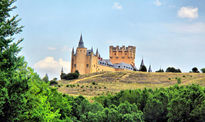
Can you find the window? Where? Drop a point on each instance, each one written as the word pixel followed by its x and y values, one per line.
pixel 87 65
pixel 74 65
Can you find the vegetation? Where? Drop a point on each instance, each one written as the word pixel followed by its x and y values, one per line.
pixel 70 76
pixel 24 96
pixel 203 70
pixel 195 70
pixel 160 70
pixel 172 69
pixel 143 68
pixel 45 78
pixel 177 103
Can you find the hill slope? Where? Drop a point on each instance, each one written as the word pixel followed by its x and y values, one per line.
pixel 111 82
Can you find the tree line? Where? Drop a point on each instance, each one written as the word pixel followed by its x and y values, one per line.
pixel 24 96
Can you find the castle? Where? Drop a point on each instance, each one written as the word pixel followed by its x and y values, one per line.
pixel 86 61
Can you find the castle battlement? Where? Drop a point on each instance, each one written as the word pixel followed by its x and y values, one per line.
pixel 122 54
pixel 86 61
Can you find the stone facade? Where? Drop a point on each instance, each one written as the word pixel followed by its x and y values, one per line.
pixel 122 54
pixel 86 61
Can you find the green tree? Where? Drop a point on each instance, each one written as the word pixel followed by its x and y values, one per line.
pixel 195 70
pixel 45 78
pixel 13 81
pixel 172 69
pixel 203 70
pixel 143 68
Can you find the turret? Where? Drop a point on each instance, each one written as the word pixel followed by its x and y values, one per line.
pixel 73 51
pixel 150 69
pixel 81 43
pixel 97 53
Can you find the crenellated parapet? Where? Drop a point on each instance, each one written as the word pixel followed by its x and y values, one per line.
pixel 122 54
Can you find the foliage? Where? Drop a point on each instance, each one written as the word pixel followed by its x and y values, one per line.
pixel 160 70
pixel 54 82
pixel 45 78
pixel 143 68
pixel 179 80
pixel 13 81
pixel 177 103
pixel 172 69
pixel 195 70
pixel 70 76
pixel 203 70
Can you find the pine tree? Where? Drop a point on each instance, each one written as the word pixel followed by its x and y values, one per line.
pixel 13 83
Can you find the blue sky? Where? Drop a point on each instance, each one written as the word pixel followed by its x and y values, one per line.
pixel 165 32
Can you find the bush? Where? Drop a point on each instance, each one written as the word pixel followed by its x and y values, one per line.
pixel 70 76
pixel 94 83
pixel 179 80
pixel 172 69
pixel 195 70
pixel 203 70
pixel 160 70
pixel 143 68
pixel 54 82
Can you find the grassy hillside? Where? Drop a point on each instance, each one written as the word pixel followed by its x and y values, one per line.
pixel 112 82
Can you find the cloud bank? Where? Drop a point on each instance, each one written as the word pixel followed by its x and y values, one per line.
pixel 188 12
pixel 51 66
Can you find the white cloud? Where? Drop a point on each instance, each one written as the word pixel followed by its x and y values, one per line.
pixel 51 66
pixel 117 6
pixel 188 12
pixel 51 48
pixel 157 3
pixel 195 28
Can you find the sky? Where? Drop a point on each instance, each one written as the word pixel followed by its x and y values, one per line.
pixel 165 32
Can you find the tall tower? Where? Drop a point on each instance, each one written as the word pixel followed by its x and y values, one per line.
pixel 123 54
pixel 78 60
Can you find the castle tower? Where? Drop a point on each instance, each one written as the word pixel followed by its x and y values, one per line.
pixel 123 54
pixel 79 59
pixel 85 61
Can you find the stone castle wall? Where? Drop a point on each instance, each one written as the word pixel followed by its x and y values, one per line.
pixel 122 54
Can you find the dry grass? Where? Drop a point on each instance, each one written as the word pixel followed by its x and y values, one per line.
pixel 104 83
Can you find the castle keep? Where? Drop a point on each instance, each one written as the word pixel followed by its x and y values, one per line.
pixel 86 61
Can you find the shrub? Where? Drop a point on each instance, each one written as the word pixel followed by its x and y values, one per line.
pixel 160 70
pixel 172 69
pixel 179 80
pixel 70 76
pixel 203 70
pixel 143 68
pixel 195 70
pixel 94 83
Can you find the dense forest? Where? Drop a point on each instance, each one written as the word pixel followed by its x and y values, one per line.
pixel 24 96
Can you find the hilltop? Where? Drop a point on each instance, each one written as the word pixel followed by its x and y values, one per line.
pixel 102 83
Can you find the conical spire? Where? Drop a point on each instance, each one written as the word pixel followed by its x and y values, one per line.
pixel 150 69
pixel 142 63
pixel 97 53
pixel 81 43
pixel 73 50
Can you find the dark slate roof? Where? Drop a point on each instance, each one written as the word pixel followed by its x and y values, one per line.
pixel 81 43
pixel 123 66
pixel 106 62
